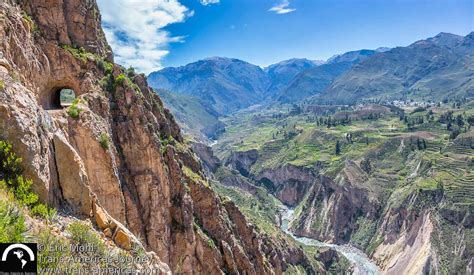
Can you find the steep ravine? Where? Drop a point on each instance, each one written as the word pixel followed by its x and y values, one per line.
pixel 362 264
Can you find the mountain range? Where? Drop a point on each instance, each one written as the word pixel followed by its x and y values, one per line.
pixel 201 92
pixel 428 69
pixel 431 69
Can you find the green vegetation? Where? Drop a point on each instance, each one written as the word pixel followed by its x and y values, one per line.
pixel 41 210
pixel 124 80
pixel 295 270
pixel 120 79
pixel 12 180
pixel 49 255
pixel 2 85
pixel 448 237
pixel 12 223
pixel 261 208
pixel 30 21
pixel 365 232
pixel 194 176
pixel 90 251
pixel 74 110
pixel 131 72
pixel 80 53
pixel 105 66
pixel 104 141
pixel 83 235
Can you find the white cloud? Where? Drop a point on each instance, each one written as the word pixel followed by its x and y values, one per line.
pixel 134 29
pixel 209 2
pixel 282 7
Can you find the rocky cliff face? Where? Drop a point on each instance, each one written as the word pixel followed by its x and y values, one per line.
pixel 287 182
pixel 116 155
pixel 331 210
pixel 404 228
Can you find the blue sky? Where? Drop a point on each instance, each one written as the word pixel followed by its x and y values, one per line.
pixel 151 34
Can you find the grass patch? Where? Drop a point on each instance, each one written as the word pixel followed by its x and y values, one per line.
pixel 80 53
pixel 104 141
pixel 49 256
pixel 12 223
pixel 30 21
pixel 194 176
pixel 120 80
pixel 124 80
pixel 83 235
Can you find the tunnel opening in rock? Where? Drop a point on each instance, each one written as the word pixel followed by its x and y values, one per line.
pixel 59 98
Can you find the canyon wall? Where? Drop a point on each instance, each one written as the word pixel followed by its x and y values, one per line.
pixel 116 152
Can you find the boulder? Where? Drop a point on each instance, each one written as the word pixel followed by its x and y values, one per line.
pixel 101 218
pixel 122 239
pixel 108 232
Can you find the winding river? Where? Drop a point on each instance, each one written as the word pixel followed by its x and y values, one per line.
pixel 362 264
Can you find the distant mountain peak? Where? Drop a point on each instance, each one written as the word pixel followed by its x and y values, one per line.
pixel 383 49
pixel 447 34
pixel 219 58
pixel 442 39
pixel 352 56
pixel 295 61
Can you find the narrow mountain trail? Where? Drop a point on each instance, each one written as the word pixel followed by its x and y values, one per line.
pixel 362 263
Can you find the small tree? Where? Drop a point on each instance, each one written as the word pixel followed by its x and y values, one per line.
pixel 460 121
pixel 449 126
pixel 338 148
pixel 366 165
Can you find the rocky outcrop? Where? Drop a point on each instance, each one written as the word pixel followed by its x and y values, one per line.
pixel 242 161
pixel 72 176
pixel 206 155
pixel 228 177
pixel 411 252
pixel 70 23
pixel 120 160
pixel 327 256
pixel 288 183
pixel 331 211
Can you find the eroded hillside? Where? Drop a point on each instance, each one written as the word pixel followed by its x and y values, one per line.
pixel 395 182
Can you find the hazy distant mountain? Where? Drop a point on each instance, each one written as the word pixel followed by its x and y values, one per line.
pixel 225 84
pixel 194 115
pixel 434 68
pixel 200 92
pixel 283 72
pixel 314 80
